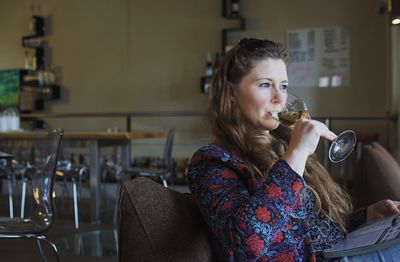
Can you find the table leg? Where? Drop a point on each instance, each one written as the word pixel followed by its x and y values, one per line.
pixel 126 155
pixel 10 187
pixel 94 181
pixel 10 198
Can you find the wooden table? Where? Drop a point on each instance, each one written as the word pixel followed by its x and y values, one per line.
pixel 93 141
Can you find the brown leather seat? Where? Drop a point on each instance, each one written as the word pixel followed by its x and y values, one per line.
pixel 159 224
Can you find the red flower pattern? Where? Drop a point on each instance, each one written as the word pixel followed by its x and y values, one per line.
pixel 227 174
pixel 285 257
pixel 263 214
pixel 214 188
pixel 273 191
pixel 228 204
pixel 278 238
pixel 254 244
pixel 297 186
pixel 297 204
pixel 244 235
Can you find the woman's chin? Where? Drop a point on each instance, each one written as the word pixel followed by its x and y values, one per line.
pixel 271 125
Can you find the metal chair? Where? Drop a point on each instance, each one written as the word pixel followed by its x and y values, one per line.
pixel 76 174
pixel 16 168
pixel 7 170
pixel 42 216
pixel 163 171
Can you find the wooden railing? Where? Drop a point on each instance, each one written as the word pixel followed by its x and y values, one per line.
pixel 127 115
pixel 391 121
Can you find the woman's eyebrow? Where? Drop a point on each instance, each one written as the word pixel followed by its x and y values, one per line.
pixel 264 78
pixel 269 79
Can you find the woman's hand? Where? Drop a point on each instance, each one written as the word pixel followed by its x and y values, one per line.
pixel 382 209
pixel 306 135
pixel 304 141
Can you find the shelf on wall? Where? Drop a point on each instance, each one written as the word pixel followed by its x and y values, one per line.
pixel 38 83
pixel 231 11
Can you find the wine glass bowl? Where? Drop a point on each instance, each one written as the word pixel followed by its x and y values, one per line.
pixel 295 109
pixel 342 146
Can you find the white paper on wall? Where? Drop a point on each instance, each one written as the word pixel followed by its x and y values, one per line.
pixel 319 57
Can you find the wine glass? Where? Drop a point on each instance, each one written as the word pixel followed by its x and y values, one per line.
pixel 295 109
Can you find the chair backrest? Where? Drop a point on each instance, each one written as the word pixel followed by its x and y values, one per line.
pixel 159 224
pixel 43 179
pixel 169 142
pixel 378 177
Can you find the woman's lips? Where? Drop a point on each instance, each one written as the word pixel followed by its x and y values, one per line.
pixel 274 115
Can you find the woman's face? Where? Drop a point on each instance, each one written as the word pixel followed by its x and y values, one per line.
pixel 263 91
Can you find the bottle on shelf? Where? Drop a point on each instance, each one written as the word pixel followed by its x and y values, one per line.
pixel 27 60
pixel 206 80
pixel 30 62
pixel 9 120
pixel 231 8
pixel 45 77
pixel 209 65
pixel 13 119
pixel 36 24
pixel 49 76
pixel 3 122
pixel 235 8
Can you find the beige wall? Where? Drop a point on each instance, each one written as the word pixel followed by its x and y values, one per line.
pixel 368 55
pixel 130 55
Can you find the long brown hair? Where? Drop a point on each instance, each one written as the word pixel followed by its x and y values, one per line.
pixel 253 145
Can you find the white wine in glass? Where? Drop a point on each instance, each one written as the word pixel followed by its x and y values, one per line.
pixel 295 109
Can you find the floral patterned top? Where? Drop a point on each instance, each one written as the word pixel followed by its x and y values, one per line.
pixel 256 220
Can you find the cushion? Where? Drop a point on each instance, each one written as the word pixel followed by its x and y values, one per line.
pixel 159 224
pixel 380 178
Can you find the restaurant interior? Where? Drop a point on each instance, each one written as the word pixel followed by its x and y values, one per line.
pixel 124 85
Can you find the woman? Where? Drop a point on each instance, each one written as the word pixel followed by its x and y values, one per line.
pixel 259 186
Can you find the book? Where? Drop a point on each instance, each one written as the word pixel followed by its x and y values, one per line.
pixel 369 237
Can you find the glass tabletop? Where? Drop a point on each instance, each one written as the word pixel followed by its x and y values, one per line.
pixel 97 243
pixel 5 155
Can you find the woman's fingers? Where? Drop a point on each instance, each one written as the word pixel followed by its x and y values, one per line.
pixel 325 132
pixel 321 129
pixel 394 206
pixel 382 208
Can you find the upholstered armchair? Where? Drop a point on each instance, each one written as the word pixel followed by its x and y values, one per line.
pixel 377 176
pixel 159 224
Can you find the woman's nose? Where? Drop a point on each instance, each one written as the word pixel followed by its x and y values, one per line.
pixel 277 96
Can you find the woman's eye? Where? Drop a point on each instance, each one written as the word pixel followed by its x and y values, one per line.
pixel 265 85
pixel 284 87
